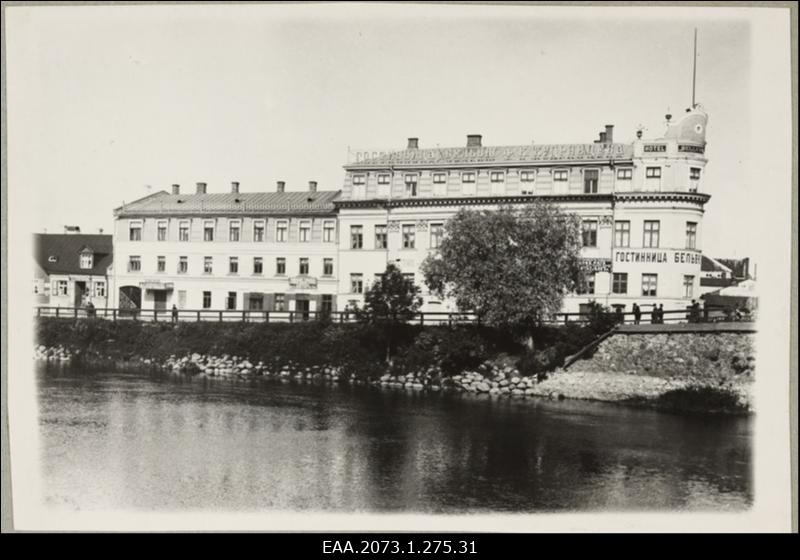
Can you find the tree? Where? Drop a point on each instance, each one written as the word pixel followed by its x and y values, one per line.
pixel 511 267
pixel 389 303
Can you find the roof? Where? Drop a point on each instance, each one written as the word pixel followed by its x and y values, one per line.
pixel 283 203
pixel 717 282
pixel 531 153
pixel 709 264
pixel 739 267
pixel 67 248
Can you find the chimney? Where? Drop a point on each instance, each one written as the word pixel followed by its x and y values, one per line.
pixel 176 189
pixel 201 188
pixel 234 186
pixel 473 140
pixel 281 186
pixel 312 186
pixel 72 229
pixel 610 133
pixel 602 137
pixel 100 231
pixel 413 143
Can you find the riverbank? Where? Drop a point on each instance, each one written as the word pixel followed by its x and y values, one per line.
pixel 699 371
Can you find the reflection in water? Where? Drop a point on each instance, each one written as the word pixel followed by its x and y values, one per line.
pixel 133 441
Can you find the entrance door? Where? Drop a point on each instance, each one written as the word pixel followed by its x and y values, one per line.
pixel 159 299
pixel 80 293
pixel 302 307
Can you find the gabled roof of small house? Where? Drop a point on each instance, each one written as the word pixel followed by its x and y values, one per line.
pixel 60 253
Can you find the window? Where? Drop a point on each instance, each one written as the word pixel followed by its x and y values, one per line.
pixel 135 232
pixel 356 283
pixel 649 284
pixel 589 233
pixel 303 269
pixel 230 301
pixel 256 302
pixel 688 286
pixel 560 175
pixel 134 264
pixel 411 185
pixel 624 174
pixel 258 231
pixel 183 265
pixel 161 264
pixel 497 179
pixel 468 177
pixel 233 265
pixel 652 177
pixel 328 232
pixel 526 178
pixel 87 260
pixel 258 265
pixel 62 287
pixel 100 289
pixel 183 231
pixel 383 179
pixel 590 180
pixel 327 267
pixel 162 231
pixel 619 283
pixel 305 232
pixel 440 184
pixel 208 231
pixel 437 231
pixel 280 266
pixel 408 236
pixel 281 229
pixel 381 239
pixel 439 178
pixel 691 235
pixel 280 302
pixel 651 233
pixel 359 186
pixel 206 300
pixel 694 178
pixel 356 237
pixel 622 234
pixel 208 265
pixel 234 229
pixel 588 287
pixel 326 305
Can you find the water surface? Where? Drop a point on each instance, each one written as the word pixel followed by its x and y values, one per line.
pixel 135 441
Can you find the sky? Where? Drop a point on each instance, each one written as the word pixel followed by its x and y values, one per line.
pixel 108 104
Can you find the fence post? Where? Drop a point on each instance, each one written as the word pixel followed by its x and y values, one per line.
pixel 291 316
pixel 266 316
pixel 75 310
pixel 421 318
pixel 38 311
pixel 57 308
pixel 155 315
pixel 244 316
pixel 198 316
pixel 114 314
pixel 220 316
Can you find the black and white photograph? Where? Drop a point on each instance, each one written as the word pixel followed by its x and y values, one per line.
pixel 398 266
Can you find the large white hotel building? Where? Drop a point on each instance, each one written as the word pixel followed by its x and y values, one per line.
pixel 640 204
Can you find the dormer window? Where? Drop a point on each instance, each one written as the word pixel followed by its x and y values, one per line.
pixel 87 260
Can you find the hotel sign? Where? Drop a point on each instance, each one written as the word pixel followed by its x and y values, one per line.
pixel 658 257
pixel 303 282
pixel 596 265
pixel 690 148
pixel 655 147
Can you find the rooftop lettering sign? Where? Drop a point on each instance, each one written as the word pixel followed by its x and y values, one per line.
pixel 658 257
pixel 691 148
pixel 655 147
pixel 493 154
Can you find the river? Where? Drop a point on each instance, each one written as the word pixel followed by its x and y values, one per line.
pixel 162 442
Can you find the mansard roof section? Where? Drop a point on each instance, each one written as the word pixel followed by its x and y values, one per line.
pixel 274 203
pixel 494 155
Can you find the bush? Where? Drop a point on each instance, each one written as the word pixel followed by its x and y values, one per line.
pixel 705 398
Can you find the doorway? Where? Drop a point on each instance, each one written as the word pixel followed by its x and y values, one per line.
pixel 80 293
pixel 159 299
pixel 302 307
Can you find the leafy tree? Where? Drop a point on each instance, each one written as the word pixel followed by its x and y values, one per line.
pixel 390 303
pixel 511 267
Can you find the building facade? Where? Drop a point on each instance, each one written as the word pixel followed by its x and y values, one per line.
pixel 274 251
pixel 640 205
pixel 72 269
